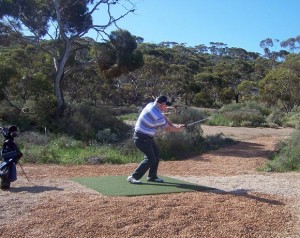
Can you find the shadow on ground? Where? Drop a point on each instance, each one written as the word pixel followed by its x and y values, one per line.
pixel 244 150
pixel 34 189
pixel 246 193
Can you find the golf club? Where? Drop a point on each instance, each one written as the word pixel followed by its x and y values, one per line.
pixel 196 122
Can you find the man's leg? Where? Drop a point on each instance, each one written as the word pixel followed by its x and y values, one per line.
pixel 146 146
pixel 154 166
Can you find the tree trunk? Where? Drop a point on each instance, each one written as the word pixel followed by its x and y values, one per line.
pixel 58 78
pixel 236 97
pixel 60 65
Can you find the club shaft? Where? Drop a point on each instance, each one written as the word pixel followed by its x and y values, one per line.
pixel 196 122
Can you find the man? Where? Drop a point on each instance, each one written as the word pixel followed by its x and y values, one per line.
pixel 150 120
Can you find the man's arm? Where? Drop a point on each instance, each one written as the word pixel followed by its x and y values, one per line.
pixel 173 128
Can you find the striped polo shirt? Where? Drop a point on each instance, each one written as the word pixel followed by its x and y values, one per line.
pixel 150 120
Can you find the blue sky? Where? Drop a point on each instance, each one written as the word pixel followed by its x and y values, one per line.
pixel 237 23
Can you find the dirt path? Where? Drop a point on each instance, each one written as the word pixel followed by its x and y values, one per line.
pixel 245 202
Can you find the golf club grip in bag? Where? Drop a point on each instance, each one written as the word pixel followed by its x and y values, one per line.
pixel 5 164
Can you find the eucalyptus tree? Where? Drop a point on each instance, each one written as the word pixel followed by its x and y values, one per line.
pixel 248 90
pixel 8 72
pixel 261 66
pixel 281 85
pixel 218 48
pixel 266 45
pixel 29 85
pixel 293 44
pixel 163 71
pixel 115 60
pixel 185 64
pixel 108 80
pixel 239 53
pixel 233 72
pixel 209 87
pixel 151 80
pixel 153 76
pixel 64 23
pixel 274 55
pixel 201 49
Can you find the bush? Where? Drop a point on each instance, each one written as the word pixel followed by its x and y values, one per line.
pixel 32 138
pixel 217 141
pixel 106 136
pixel 292 120
pixel 38 148
pixel 219 119
pixel 13 116
pixel 174 146
pixel 275 117
pixel 129 117
pixel 186 115
pixel 245 117
pixel 76 126
pixel 61 149
pixel 85 122
pixel 119 111
pixel 250 114
pixel 248 106
pixel 287 156
pixel 203 100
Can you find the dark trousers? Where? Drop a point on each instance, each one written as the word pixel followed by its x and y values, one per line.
pixel 147 145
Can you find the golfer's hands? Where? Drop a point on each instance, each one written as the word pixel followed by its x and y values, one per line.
pixel 175 127
pixel 180 127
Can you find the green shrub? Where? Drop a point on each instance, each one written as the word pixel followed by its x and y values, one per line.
pixel 32 138
pixel 64 142
pixel 219 119
pixel 287 156
pixel 203 100
pixel 246 123
pixel 130 116
pixel 292 120
pixel 61 149
pixel 247 106
pixel 12 116
pixel 186 115
pixel 106 136
pixel 174 146
pixel 129 152
pixel 250 114
pixel 275 117
pixel 85 122
pixel 119 111
pixel 217 141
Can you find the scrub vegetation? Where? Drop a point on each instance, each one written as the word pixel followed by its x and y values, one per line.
pixel 287 156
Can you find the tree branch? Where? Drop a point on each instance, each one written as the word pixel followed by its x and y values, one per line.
pixel 111 21
pixel 9 102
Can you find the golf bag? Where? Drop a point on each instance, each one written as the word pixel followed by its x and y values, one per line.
pixel 10 156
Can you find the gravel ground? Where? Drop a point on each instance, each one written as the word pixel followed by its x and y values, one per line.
pixel 243 202
pixel 277 184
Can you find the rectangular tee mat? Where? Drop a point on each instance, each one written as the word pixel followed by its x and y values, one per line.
pixel 118 186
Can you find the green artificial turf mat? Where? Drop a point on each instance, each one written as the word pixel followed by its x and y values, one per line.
pixel 118 186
